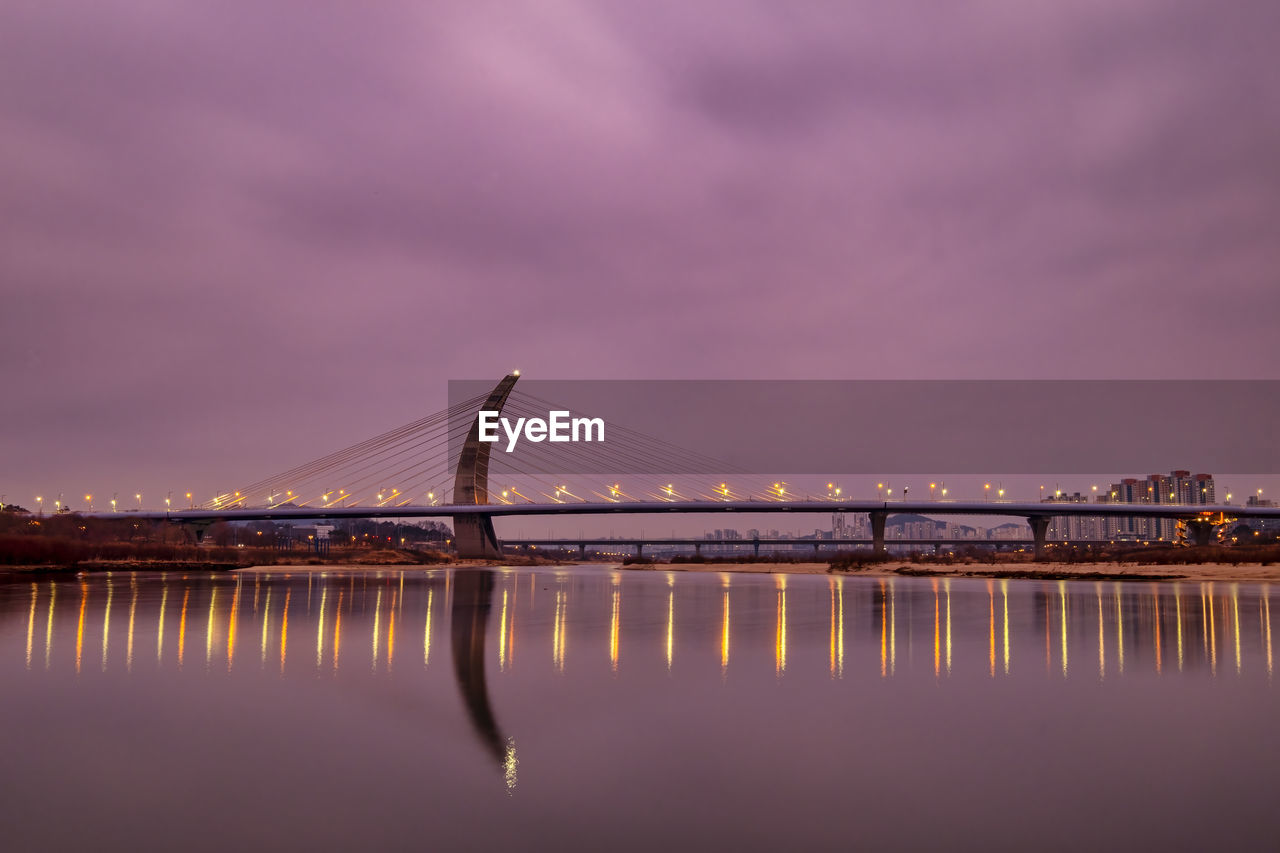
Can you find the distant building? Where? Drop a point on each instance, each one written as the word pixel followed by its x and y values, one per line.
pixel 1074 527
pixel 1177 487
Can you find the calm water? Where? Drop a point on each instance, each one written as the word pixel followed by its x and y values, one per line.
pixel 588 709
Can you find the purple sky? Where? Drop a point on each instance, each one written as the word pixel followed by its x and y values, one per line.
pixel 235 236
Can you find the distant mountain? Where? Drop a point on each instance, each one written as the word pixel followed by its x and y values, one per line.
pixel 906 518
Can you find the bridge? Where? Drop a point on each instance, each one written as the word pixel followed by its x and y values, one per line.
pixel 304 493
pixel 815 545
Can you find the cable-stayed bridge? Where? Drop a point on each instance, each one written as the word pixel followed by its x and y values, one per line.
pixel 438 467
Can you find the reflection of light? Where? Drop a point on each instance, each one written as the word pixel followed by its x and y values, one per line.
pixel 1266 606
pixel 724 628
pixel 106 624
pixel 377 626
pixel 893 629
pixel 324 595
pixel 1235 620
pixel 1004 591
pixel 1213 635
pixel 48 625
pixel 1102 654
pixel 128 648
pixel 561 631
pixel 426 633
pixel 337 629
pixel 182 627
pixel 1155 596
pixel 1177 604
pixel 1048 637
pixel 31 623
pixel 509 765
pixel 502 634
pixel 391 632
pixel 946 586
pixel 840 635
pixel 164 599
pixel 284 629
pixel 937 643
pixel 208 631
pixel 1062 595
pixel 991 626
pixel 884 624
pixel 671 619
pixel 831 586
pixel 511 631
pixel 84 598
pixel 1119 630
pixel 231 624
pixel 1204 622
pixel 266 626
pixel 614 623
pixel 780 646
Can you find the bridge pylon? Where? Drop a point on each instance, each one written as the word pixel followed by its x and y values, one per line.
pixel 473 535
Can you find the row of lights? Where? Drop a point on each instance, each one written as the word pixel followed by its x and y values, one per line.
pixel 779 488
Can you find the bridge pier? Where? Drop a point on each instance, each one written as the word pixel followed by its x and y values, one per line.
pixel 199 529
pixel 639 550
pixel 1201 532
pixel 755 547
pixel 582 550
pixel 1039 529
pixel 697 548
pixel 878 519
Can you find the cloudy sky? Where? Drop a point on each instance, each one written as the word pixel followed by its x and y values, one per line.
pixel 234 236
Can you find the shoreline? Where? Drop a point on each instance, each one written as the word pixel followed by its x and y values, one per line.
pixel 1009 571
pixel 1246 573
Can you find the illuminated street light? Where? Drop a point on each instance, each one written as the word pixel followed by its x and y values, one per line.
pixel 40 505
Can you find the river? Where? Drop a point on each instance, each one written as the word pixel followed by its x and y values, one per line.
pixel 587 708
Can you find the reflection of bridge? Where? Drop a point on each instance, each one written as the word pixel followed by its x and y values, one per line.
pixel 474 504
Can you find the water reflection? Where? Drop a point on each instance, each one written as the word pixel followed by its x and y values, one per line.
pixel 1122 625
pixel 733 625
pixel 738 679
pixel 472 596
